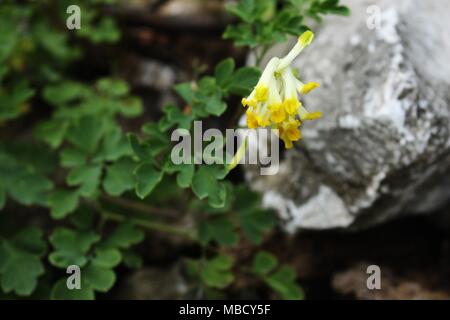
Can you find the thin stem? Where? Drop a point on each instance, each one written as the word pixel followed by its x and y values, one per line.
pixel 137 206
pixel 261 55
pixel 158 226
pixel 152 225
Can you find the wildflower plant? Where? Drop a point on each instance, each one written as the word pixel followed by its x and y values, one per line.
pixel 76 188
pixel 274 101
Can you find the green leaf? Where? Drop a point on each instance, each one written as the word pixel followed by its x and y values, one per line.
pixel 114 145
pixel 222 262
pixel 83 218
pixel 20 273
pixel 52 132
pixel 71 247
pixel 119 177
pixel 156 140
pixel 113 87
pixel 205 184
pixel 244 10
pixel 107 258
pixel 244 80
pixel 283 282
pixel 332 7
pixel 246 199
pixel 288 21
pixel 263 263
pixel 53 42
pixel 61 292
pixel 142 149
pixel 221 230
pixel 34 157
pixel 86 133
pixel 215 105
pixel 253 220
pixel 93 277
pixel 62 203
pixel 224 71
pixel 339 10
pixel 19 177
pixel 147 178
pixel 20 261
pixel 124 236
pixel 64 93
pixel 216 272
pixel 242 35
pixel 30 188
pixel 255 223
pixel 87 177
pixel 105 30
pixel 185 175
pixel 14 102
pixel 151 129
pixel 174 116
pixel 185 91
pixel 99 278
pixel 132 260
pixel 10 36
pixel 131 107
pixel 71 157
pixel 30 239
pixel 203 233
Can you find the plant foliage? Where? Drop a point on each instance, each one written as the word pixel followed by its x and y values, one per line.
pixel 66 156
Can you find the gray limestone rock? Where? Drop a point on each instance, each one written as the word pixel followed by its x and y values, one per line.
pixel 382 149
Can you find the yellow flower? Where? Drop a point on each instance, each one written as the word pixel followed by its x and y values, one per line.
pixel 275 100
pixel 293 132
pixel 291 106
pixel 313 115
pixel 277 113
pixel 290 132
pixel 304 114
pixel 262 93
pixel 252 121
pixel 248 103
pixel 307 88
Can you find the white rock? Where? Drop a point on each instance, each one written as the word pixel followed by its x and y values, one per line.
pixel 383 147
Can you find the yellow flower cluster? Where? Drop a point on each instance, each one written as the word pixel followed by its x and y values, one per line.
pixel 274 101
